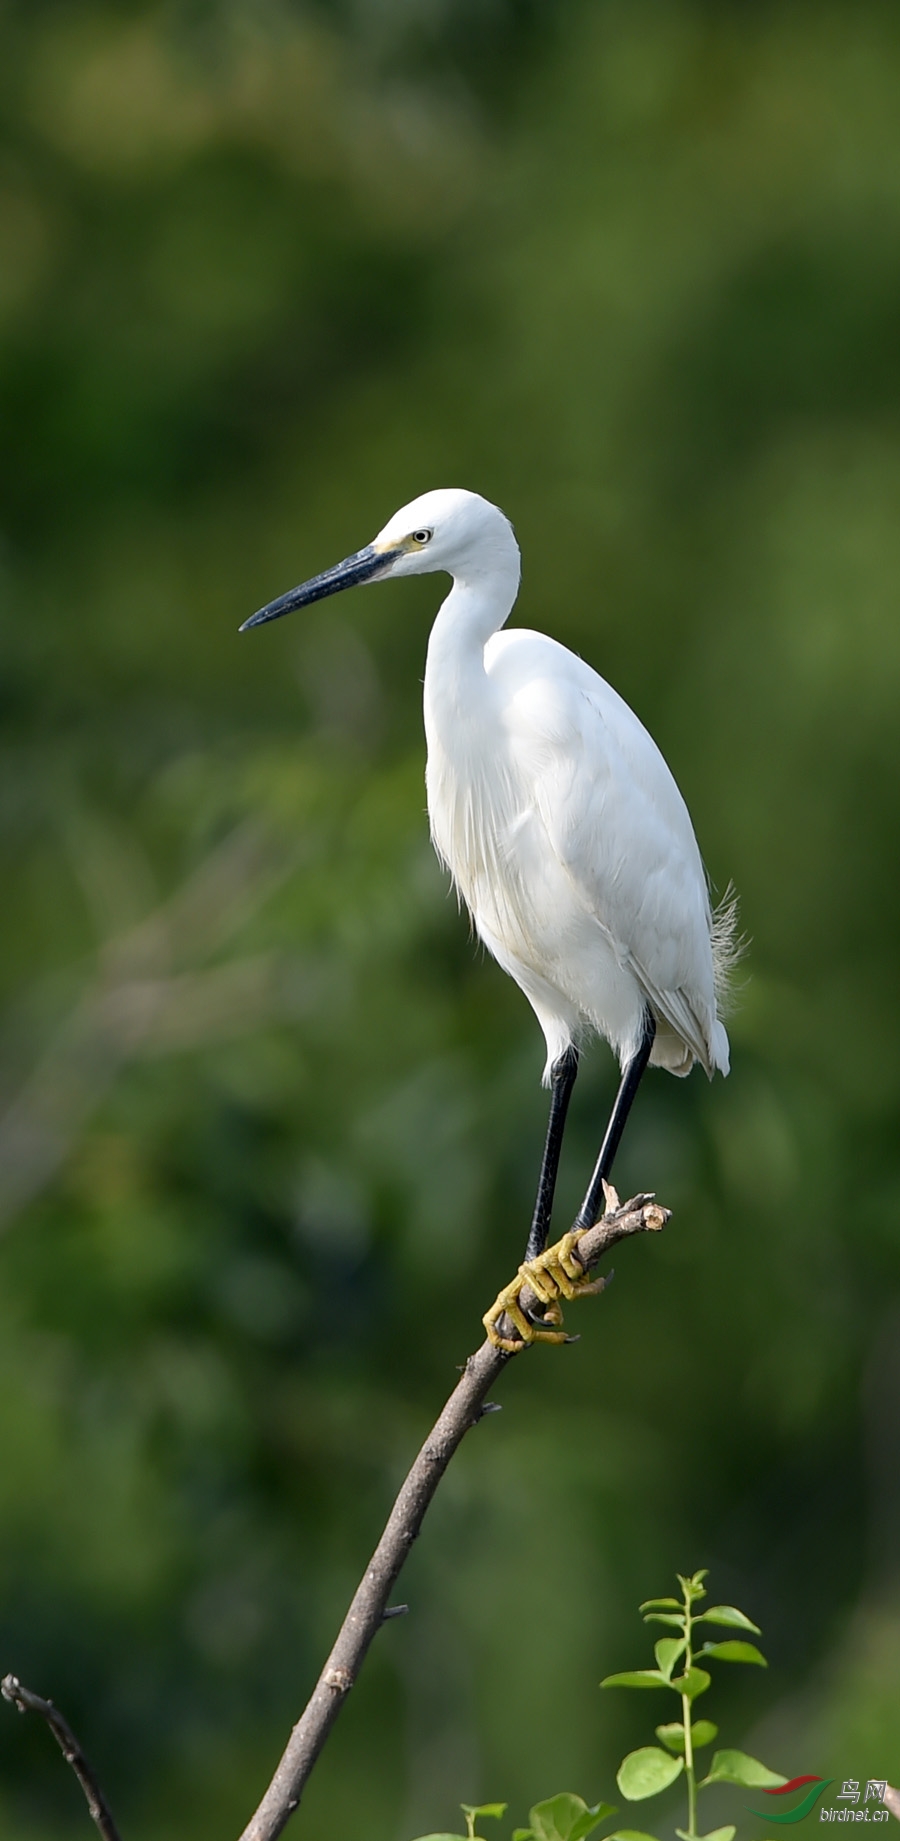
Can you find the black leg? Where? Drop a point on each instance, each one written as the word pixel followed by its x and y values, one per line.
pixel 562 1080
pixel 591 1207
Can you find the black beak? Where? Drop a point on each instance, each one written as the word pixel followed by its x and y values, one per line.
pixel 363 566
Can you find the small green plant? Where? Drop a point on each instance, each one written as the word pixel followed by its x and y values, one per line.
pixel 560 1818
pixel 472 1813
pixel 653 1768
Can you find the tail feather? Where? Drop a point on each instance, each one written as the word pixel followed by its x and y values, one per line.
pixel 728 949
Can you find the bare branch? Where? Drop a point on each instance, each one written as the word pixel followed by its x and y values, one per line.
pixel 26 1702
pixel 466 1405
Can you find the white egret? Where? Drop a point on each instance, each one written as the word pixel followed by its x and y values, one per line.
pixel 564 833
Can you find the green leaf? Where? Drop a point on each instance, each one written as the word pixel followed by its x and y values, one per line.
pixel 472 1812
pixel 646 1772
pixel 671 1736
pixel 667 1652
pixel 600 1812
pixel 665 1617
pixel 734 1652
pixel 566 1818
pixel 739 1767
pixel 695 1682
pixel 715 1834
pixel 626 1834
pixel 523 1834
pixel 636 1678
pixel 727 1614
pixel 659 1604
pixel 693 1587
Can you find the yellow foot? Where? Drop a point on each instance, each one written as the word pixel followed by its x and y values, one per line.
pixel 556 1273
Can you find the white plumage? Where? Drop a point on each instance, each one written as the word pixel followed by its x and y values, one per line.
pixel 556 814
pixel 559 821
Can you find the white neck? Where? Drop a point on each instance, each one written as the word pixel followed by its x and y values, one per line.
pixel 477 606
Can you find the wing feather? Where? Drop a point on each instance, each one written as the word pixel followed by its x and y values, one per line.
pixel 618 825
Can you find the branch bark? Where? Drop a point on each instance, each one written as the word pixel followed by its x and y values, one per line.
pixel 26 1702
pixel 368 1609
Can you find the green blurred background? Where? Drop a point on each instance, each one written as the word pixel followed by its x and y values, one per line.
pixel 270 1121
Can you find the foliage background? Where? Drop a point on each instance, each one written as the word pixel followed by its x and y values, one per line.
pixel 271 1123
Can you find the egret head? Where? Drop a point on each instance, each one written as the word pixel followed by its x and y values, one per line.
pixel 449 529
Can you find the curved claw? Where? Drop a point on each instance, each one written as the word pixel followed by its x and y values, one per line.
pixel 556 1273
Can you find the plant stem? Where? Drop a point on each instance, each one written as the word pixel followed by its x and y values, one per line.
pixel 686 1719
pixel 689 1767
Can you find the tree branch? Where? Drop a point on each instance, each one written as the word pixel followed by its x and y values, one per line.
pixel 26 1702
pixel 367 1612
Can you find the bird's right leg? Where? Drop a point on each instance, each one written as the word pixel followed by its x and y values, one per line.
pixel 562 1080
pixel 547 1284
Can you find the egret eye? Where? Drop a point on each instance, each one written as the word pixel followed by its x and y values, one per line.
pixel 422 537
